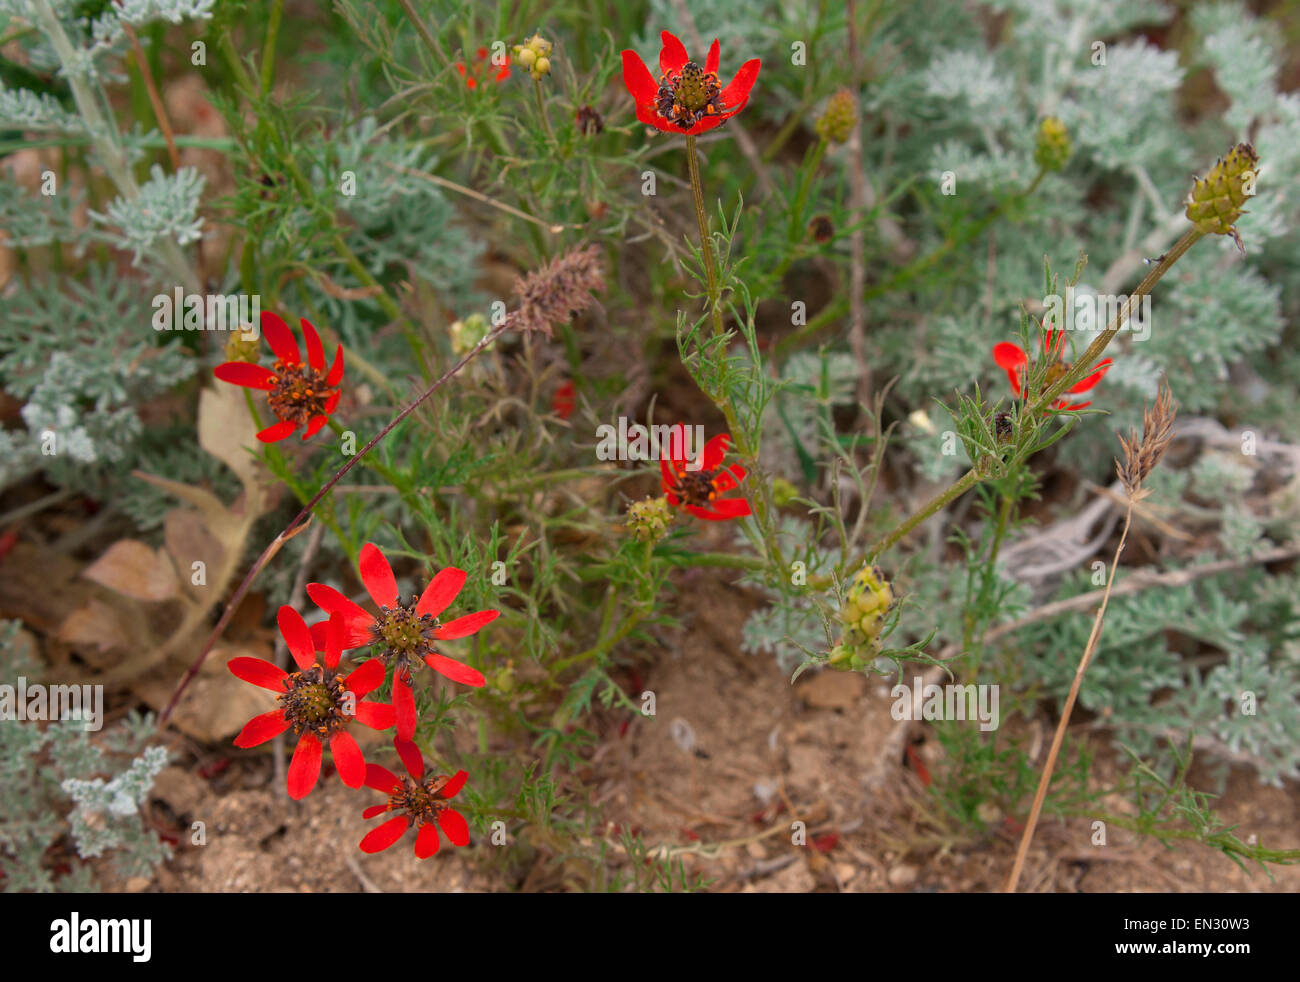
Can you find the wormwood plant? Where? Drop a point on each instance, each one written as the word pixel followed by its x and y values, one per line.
pixel 809 251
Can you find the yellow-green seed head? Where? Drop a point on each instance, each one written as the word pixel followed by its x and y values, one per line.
pixel 647 520
pixel 1054 146
pixel 1218 199
pixel 836 123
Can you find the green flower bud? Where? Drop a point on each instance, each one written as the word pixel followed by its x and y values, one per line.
pixel 836 123
pixel 647 520
pixel 1054 147
pixel 1218 199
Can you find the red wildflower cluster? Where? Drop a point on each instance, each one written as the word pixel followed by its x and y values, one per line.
pixel 700 491
pixel 482 68
pixel 407 631
pixel 1013 360
pixel 300 395
pixel 686 99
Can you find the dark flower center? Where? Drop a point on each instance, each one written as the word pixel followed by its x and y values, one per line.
pixel 422 801
pixel 405 634
pixel 316 703
pixel 687 96
pixel 1054 373
pixel 696 487
pixel 299 394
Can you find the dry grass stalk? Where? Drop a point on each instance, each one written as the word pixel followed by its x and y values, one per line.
pixel 1140 459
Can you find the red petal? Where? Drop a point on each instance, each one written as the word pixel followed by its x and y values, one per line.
pixel 381 779
pixel 441 591
pixel 245 374
pixel 333 647
pixel 722 510
pixel 374 810
pixel 1011 358
pixel 314 426
pixel 454 670
pixel 640 83
pixel 356 622
pixel 336 370
pixel 315 353
pixel 454 784
pixel 259 729
pixel 297 637
pixel 332 403
pixel 1085 384
pixel 454 824
pixel 463 627
pixel 426 842
pixel 380 838
pixel 711 62
pixel 277 432
pixel 411 757
pixel 304 769
pixel 280 338
pixel 404 704
pixel 736 94
pixel 259 671
pixel 347 758
pixel 377 575
pixel 366 678
pixel 376 715
pixel 673 56
pixel 729 478
pixel 715 450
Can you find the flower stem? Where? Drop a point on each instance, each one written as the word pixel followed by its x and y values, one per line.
pixel 541 110
pixel 706 243
pixel 1080 368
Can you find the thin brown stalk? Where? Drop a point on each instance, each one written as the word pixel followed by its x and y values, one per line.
pixel 1140 459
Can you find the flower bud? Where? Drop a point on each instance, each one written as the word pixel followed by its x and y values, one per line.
pixel 238 348
pixel 1054 147
pixel 467 333
pixel 836 124
pixel 783 492
pixel 647 520
pixel 1218 199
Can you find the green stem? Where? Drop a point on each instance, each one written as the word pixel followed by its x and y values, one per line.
pixel 1077 371
pixel 706 243
pixel 541 110
pixel 905 274
pixel 805 185
pixel 268 48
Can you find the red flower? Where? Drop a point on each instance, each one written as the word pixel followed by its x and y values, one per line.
pixel 316 703
pixel 686 99
pixel 700 491
pixel 565 400
pixel 407 631
pixel 482 68
pixel 1013 360
pixel 301 395
pixel 421 801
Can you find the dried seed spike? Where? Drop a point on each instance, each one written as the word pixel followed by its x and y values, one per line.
pixel 558 290
pixel 1141 456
